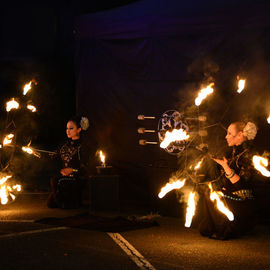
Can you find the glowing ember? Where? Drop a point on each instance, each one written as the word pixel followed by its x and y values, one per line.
pixel 241 85
pixel 6 192
pixel 102 158
pixel 220 205
pixel 204 93
pixel 12 104
pixel 268 119
pixel 190 209
pixel 170 186
pixel 8 139
pixel 260 163
pixel 172 136
pixel 31 108
pixel 27 87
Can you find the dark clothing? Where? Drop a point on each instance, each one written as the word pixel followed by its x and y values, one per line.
pixel 72 155
pixel 238 198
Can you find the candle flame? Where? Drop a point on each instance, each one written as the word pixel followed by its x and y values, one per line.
pixel 174 135
pixel 190 209
pixel 8 139
pixel 220 205
pixel 31 108
pixel 102 157
pixel 260 163
pixel 204 93
pixel 12 104
pixel 241 85
pixel 170 186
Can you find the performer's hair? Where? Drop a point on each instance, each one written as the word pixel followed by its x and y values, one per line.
pixel 249 129
pixel 239 125
pixel 76 120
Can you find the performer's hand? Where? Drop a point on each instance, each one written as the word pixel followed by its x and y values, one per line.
pixel 223 162
pixel 66 171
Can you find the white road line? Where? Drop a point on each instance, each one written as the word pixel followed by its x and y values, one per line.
pixel 10 235
pixel 17 220
pixel 134 254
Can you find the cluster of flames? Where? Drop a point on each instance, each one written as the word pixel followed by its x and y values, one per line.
pixel 260 164
pixel 8 192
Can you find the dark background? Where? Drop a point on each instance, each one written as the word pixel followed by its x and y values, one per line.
pixel 113 60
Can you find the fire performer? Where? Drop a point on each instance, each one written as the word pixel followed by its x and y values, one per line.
pixel 67 184
pixel 235 183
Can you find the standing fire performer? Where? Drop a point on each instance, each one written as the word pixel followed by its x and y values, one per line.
pixel 67 184
pixel 235 183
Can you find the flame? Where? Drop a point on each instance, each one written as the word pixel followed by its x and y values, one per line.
pixel 5 190
pixel 31 108
pixel 27 87
pixel 220 205
pixel 12 104
pixel 175 135
pixel 268 119
pixel 260 163
pixel 241 85
pixel 8 139
pixel 102 157
pixel 170 186
pixel 30 151
pixel 204 93
pixel 190 209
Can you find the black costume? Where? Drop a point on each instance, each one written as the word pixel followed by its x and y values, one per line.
pixel 66 190
pixel 238 197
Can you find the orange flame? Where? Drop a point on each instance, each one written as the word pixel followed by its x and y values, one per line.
pixel 190 209
pixel 268 119
pixel 8 139
pixel 170 186
pixel 6 192
pixel 12 104
pixel 31 108
pixel 241 85
pixel 220 205
pixel 30 151
pixel 27 87
pixel 260 163
pixel 172 136
pixel 204 93
pixel 102 158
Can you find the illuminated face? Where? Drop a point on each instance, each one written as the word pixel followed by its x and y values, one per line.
pixel 233 136
pixel 73 132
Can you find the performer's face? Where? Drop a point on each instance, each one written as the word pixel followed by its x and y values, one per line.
pixel 73 132
pixel 234 137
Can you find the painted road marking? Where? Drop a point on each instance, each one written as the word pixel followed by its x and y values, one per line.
pixel 134 254
pixel 10 235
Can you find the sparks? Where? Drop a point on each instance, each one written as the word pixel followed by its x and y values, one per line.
pixel 172 136
pixel 204 93
pixel 220 205
pixel 190 209
pixel 241 85
pixel 260 163
pixel 170 186
pixel 12 104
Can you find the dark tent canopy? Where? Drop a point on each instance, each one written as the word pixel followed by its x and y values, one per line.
pixel 152 56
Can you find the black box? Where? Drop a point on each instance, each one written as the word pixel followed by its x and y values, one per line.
pixel 104 192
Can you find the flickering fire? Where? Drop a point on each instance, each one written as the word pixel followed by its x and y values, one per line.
pixel 174 135
pixel 198 165
pixel 220 205
pixel 268 119
pixel 30 151
pixel 170 186
pixel 6 191
pixel 102 158
pixel 8 139
pixel 260 163
pixel 27 87
pixel 190 209
pixel 241 85
pixel 31 108
pixel 204 93
pixel 12 104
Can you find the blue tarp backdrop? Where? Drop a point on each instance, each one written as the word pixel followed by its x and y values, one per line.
pixel 151 56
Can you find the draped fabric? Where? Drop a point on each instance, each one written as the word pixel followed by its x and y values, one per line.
pixel 151 56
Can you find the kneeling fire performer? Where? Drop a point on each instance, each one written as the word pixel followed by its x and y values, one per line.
pixel 66 186
pixel 235 183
